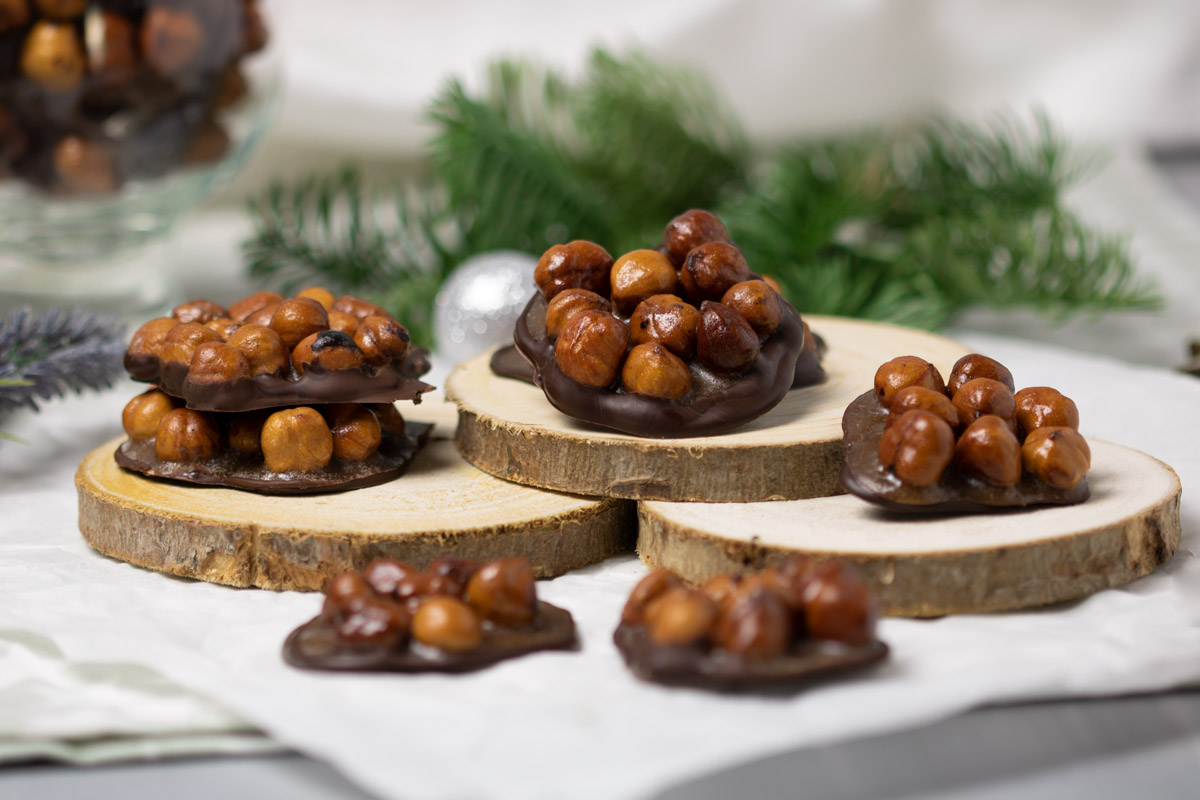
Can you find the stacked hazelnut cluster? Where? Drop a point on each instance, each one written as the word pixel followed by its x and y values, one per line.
pixel 97 92
pixel 272 387
pixel 782 623
pixel 456 614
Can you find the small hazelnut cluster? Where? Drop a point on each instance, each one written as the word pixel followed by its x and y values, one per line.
pixel 759 616
pixel 978 423
pixel 98 93
pixel 449 607
pixel 638 322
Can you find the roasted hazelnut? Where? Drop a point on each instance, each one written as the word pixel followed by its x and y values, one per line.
pixel 245 431
pixel 983 396
pixel 447 623
pixel 653 370
pixel 918 447
pixel 390 419
pixel 988 448
pixel 262 347
pixel 1057 456
pixel 913 397
pixel 243 308
pixel 331 350
pixel 172 40
pixel 758 303
pixel 358 308
pixel 344 593
pixel 320 294
pixel 143 413
pixel 356 432
pixel 385 574
pixel 208 143
pixel 777 582
pixel 202 311
pixel 85 166
pixel 263 315
pixel 725 342
pixel 711 269
pixel 341 321
pixel 187 435
pixel 668 320
pixel 61 9
pixel 690 230
pixel 223 327
pixel 13 14
pixel 297 318
pixel 111 47
pixel 296 440
pixel 680 617
pixel 722 589
pixel 591 348
pixel 648 588
pixel 375 622
pixel 575 265
pixel 838 605
pixel 254 31
pixel 412 589
pixel 148 340
pixel 232 87
pixel 973 366
pixel 756 625
pixel 449 575
pixel 182 341
pixel 905 371
pixel 53 57
pixel 217 362
pixel 503 592
pixel 382 340
pixel 638 275
pixel 567 304
pixel 774 284
pixel 1043 407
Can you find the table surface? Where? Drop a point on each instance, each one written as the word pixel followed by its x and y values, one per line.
pixel 1146 746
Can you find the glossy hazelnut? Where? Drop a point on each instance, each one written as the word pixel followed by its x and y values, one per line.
pixel 503 592
pixel 1057 456
pixel 725 342
pixel 111 47
pixel 680 617
pixel 756 625
pixel 243 308
pixel 245 431
pixel 711 269
pixel 983 396
pixel 142 414
pixel 85 166
pixel 390 419
pixel 989 449
pixel 838 605
pixel 913 397
pixel 638 275
pixel 182 341
pixel 148 340
pixel 262 347
pixel 973 366
pixel 263 316
pixel 356 432
pixel 13 14
pixel 357 307
pixel 232 87
pixel 344 593
pixel 591 348
pixel 1043 407
pixel 384 575
pixel 653 370
pixel 375 622
pixel 567 304
pixel 254 30
pixel 917 448
pixel 668 320
pixel 208 143
pixel 905 371
pixel 575 265
pixel 688 231
pixel 320 294
pixel 297 318
pixel 787 586
pixel 330 350
pixel 172 40
pixel 722 589
pixel 449 575
pixel 343 322
pixel 187 435
pixel 296 440
pixel 53 56
pixel 382 340
pixel 412 590
pixel 61 9
pixel 223 327
pixel 202 311
pixel 758 303
pixel 774 284
pixel 648 588
pixel 217 362
pixel 447 623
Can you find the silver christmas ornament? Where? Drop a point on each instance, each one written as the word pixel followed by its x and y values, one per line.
pixel 480 302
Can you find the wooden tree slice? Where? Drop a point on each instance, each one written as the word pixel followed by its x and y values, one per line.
pixel 509 429
pixel 442 506
pixel 929 566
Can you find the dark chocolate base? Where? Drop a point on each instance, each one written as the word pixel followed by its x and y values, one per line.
pixel 314 645
pixel 957 492
pixel 241 471
pixel 717 403
pixel 806 662
pixel 507 362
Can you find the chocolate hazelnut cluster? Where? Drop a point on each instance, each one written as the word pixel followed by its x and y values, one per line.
pixel 94 93
pixel 784 623
pixel 971 437
pixel 456 614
